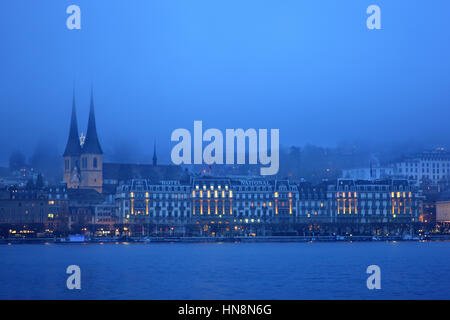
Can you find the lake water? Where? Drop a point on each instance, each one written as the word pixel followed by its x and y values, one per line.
pixel 333 270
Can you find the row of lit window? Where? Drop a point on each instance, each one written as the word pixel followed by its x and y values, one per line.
pixel 346 194
pixel 400 195
pixel 197 187
pixel 354 194
pixel 208 194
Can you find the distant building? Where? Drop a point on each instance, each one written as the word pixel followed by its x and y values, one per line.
pixel 428 167
pixel 82 209
pixel 374 173
pixel 18 178
pixel 26 212
pixel 106 218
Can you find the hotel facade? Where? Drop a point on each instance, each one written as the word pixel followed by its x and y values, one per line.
pixel 228 206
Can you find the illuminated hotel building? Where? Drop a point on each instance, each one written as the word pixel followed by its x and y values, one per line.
pixel 257 205
pixel 379 201
pixel 244 198
pixel 143 199
pixel 206 198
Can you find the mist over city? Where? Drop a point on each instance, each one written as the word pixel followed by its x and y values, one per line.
pixel 311 70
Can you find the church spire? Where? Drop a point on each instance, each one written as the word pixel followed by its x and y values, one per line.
pixel 73 143
pixel 155 159
pixel 91 144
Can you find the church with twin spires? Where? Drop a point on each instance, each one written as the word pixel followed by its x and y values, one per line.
pixel 83 158
pixel 83 166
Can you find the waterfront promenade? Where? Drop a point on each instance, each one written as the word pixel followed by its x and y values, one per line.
pixel 102 240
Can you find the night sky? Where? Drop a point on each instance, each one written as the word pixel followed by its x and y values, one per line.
pixel 309 68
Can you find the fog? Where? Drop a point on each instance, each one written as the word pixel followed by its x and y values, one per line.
pixel 309 68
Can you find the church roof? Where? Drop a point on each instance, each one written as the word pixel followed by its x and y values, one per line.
pixel 73 147
pixel 85 195
pixel 91 144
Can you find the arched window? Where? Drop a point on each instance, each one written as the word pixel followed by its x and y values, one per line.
pixel 95 162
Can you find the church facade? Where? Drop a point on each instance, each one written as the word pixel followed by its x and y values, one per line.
pixel 83 159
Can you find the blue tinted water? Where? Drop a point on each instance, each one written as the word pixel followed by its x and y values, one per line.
pixel 409 270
